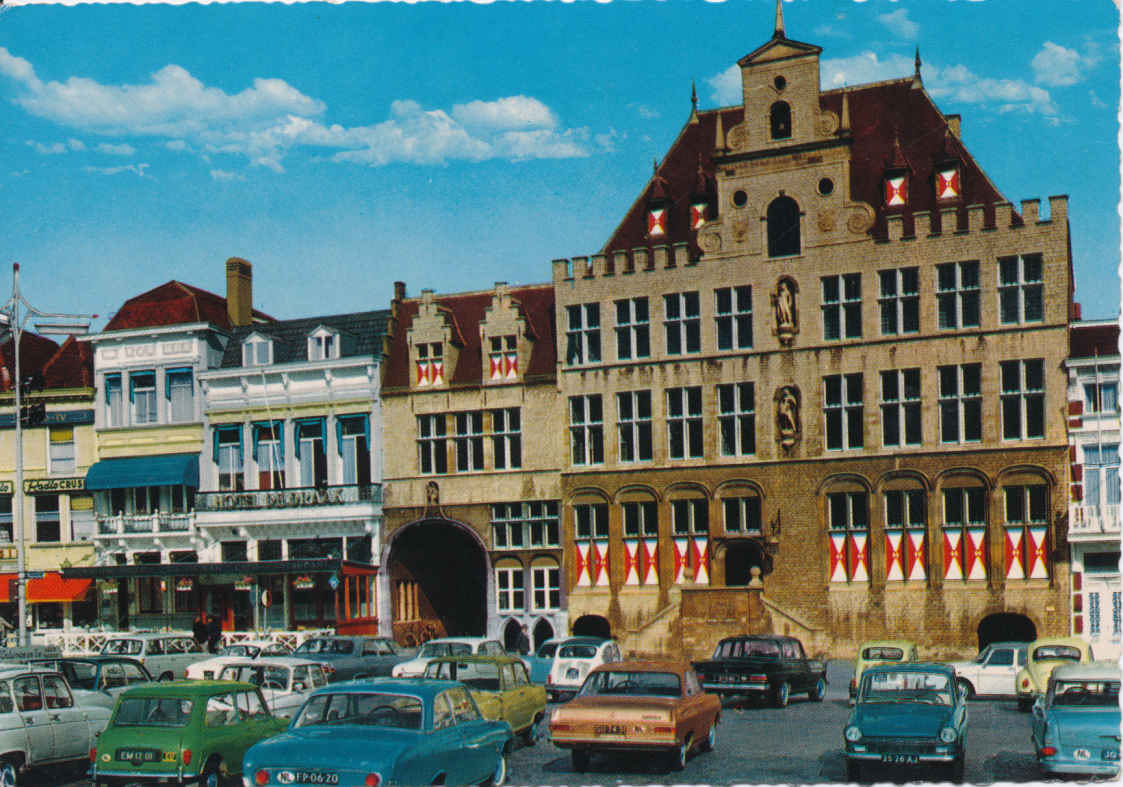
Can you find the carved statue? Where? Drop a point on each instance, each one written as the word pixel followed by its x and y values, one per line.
pixel 784 311
pixel 787 415
pixel 432 495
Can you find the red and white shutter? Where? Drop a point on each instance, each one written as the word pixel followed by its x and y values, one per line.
pixel 682 547
pixel 975 555
pixel 496 366
pixel 422 373
pixel 947 183
pixel 581 548
pixel 893 555
pixel 838 557
pixel 953 554
pixel 631 561
pixel 896 191
pixel 1036 553
pixel 698 214
pixel 651 562
pixel 915 555
pixel 600 564
pixel 438 372
pixel 1015 550
pixel 511 365
pixel 701 560
pixel 657 222
pixel 859 557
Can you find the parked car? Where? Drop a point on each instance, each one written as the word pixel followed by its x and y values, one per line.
pixel 879 652
pixel 907 715
pixel 385 731
pixel 350 657
pixel 993 671
pixel 766 667
pixel 1076 722
pixel 285 682
pixel 166 656
pixel 40 723
pixel 638 706
pixel 239 651
pixel 539 662
pixel 99 680
pixel 501 687
pixel 575 659
pixel 181 731
pixel 1044 655
pixel 447 646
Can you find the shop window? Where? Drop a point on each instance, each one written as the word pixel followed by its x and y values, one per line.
pixel 5 519
pixel 62 457
pixel 47 528
pixel 358 549
pixel 269 549
pixel 48 616
pixel 234 551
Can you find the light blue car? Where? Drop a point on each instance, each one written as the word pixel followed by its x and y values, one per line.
pixel 539 663
pixel 1076 722
pixel 384 732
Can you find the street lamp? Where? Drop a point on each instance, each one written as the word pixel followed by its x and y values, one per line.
pixel 12 323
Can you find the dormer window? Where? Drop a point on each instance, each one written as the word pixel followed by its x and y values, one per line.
pixel 504 357
pixel 947 182
pixel 323 345
pixel 430 364
pixel 257 351
pixel 780 117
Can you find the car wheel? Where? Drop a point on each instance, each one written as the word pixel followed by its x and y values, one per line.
pixel 816 694
pixel 1025 704
pixel 498 776
pixel 212 775
pixel 678 756
pixel 711 738
pixel 580 760
pixel 530 734
pixel 166 676
pixel 966 688
pixel 853 771
pixel 955 772
pixel 780 695
pixel 9 773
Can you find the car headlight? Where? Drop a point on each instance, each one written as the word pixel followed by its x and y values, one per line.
pixel 853 733
pixel 947 735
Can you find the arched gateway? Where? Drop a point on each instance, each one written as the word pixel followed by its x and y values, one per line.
pixel 438 581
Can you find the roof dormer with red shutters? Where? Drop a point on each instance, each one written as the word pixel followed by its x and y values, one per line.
pixel 434 344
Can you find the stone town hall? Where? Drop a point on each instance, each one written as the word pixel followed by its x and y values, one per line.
pixel 821 347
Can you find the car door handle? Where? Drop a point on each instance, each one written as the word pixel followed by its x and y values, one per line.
pixel 28 719
pixel 55 717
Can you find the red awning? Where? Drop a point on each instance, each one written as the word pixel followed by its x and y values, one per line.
pixel 51 587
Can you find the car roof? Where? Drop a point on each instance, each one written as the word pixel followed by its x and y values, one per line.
pixel 1074 641
pixel 462 640
pixel 1096 670
pixel 475 659
pixel 887 643
pixel 282 661
pixel 425 688
pixel 583 641
pixel 651 665
pixel 149 635
pixel 768 637
pixel 1009 644
pixel 8 671
pixel 911 666
pixel 109 658
pixel 187 688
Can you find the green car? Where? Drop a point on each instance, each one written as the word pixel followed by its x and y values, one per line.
pixel 182 732
pixel 501 687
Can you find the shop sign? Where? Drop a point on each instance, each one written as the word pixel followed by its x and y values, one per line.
pixel 303 583
pixel 245 583
pixel 35 485
pixel 53 418
pixel 6 487
pixel 288 498
pixel 184 584
pixel 109 589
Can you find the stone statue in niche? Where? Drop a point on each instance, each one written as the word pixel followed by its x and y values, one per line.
pixel 787 416
pixel 784 311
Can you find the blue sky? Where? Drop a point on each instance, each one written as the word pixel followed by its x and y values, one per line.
pixel 341 147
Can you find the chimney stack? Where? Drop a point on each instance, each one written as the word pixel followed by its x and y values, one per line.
pixel 239 291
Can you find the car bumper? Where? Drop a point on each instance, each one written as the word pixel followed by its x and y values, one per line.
pixel 736 688
pixel 901 758
pixel 598 744
pixel 124 778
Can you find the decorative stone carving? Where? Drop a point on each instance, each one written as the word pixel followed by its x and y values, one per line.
pixel 828 123
pixel 738 138
pixel 740 230
pixel 826 221
pixel 785 312
pixel 787 416
pixel 711 242
pixel 861 218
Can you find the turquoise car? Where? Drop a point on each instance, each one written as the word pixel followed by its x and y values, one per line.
pixel 1076 722
pixel 910 715
pixel 384 732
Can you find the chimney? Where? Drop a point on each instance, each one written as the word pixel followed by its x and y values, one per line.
pixel 953 124
pixel 239 291
pixel 399 290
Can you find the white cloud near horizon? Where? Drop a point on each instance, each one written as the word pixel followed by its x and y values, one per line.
pixel 1058 66
pixel 267 121
pixel 898 23
pixel 137 169
pixel 123 149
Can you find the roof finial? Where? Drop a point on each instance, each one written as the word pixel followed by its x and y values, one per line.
pixel 654 165
pixel 779 31
pixel 844 120
pixel 719 134
pixel 693 103
pixel 916 73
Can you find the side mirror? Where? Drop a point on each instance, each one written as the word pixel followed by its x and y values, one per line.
pixel 1039 706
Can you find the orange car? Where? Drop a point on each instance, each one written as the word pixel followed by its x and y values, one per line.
pixel 638 706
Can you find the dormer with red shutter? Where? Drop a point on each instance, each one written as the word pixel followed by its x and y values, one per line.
pixel 506 338
pixel 434 344
pixel 898 179
pixel 659 205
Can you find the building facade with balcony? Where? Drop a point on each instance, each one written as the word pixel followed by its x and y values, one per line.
pixel 820 347
pixel 1093 515
pixel 291 474
pixel 472 442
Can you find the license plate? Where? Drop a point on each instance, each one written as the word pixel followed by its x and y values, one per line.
pixel 314 777
pixel 608 729
pixel 138 755
pixel 1111 754
pixel 571 674
pixel 903 759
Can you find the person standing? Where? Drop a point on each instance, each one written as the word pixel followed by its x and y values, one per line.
pixel 214 633
pixel 523 644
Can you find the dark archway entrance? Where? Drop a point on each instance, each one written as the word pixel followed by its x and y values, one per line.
pixel 592 626
pixel 438 576
pixel 1006 627
pixel 542 632
pixel 511 636
pixel 740 557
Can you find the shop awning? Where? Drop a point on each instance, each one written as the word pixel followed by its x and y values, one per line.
pixel 241 568
pixel 51 587
pixel 133 471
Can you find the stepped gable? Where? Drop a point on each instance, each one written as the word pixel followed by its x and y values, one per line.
pixel 466 311
pixel 360 332
pixel 72 366
pixel 1088 341
pixel 174 303
pixel 34 353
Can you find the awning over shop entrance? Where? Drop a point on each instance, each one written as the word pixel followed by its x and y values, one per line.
pixel 51 587
pixel 133 471
pixel 241 568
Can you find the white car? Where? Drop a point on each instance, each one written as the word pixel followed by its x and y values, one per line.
pixel 238 651
pixel 573 662
pixel 994 671
pixel 285 682
pixel 166 656
pixel 447 646
pixel 40 724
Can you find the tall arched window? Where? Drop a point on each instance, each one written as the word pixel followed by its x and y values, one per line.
pixel 783 227
pixel 781 118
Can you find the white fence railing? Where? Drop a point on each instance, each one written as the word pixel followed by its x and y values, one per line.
pixel 1092 520
pixel 80 641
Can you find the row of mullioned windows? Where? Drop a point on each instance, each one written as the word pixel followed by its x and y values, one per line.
pixel 1020 289
pixel 467 433
pixel 959 396
pixel 545 588
pixel 144 405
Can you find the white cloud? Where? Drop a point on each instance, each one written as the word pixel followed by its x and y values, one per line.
pixel 138 169
pixel 646 112
pixel 224 175
pixel 1057 66
pixel 75 144
pixel 863 68
pixel 123 149
pixel 513 112
pixel 726 86
pixel 959 84
pixel 52 149
pixel 899 24
pixel 176 145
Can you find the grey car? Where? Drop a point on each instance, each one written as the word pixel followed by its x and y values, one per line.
pixel 350 657
pixel 98 680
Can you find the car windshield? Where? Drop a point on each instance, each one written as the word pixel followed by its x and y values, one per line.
pixel 478 676
pixel 366 708
pixel 123 647
pixel 267 676
pixel 79 674
pixel 1059 652
pixel 747 648
pixel 633 684
pixel 433 649
pixel 326 646
pixel 883 654
pixel 152 712
pixel 1102 693
pixel 577 652
pixel 249 651
pixel 547 650
pixel 931 688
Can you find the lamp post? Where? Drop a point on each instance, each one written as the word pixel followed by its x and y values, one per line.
pixel 12 323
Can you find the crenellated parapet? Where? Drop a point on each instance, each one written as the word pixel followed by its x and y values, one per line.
pixel 927 224
pixel 641 259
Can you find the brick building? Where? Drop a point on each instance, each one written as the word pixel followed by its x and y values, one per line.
pixel 823 346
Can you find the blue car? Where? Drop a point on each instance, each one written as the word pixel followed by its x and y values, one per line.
pixel 539 663
pixel 1076 722
pixel 380 732
pixel 910 715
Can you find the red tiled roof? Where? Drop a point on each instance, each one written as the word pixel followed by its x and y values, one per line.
pixel 34 353
pixel 1087 341
pixel 72 366
pixel 881 115
pixel 174 303
pixel 466 311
